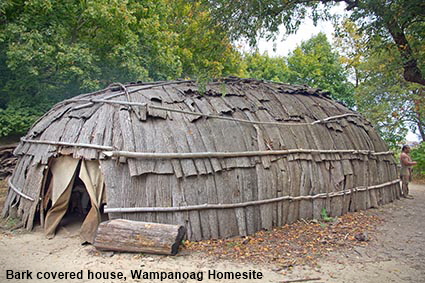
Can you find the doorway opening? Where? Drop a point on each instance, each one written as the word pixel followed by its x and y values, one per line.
pixel 74 197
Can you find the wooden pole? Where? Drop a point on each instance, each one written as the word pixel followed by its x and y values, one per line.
pixel 189 155
pixel 18 191
pixel 243 204
pixel 129 103
pixel 85 145
pixel 109 151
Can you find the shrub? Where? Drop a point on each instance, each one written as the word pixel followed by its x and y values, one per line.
pixel 418 155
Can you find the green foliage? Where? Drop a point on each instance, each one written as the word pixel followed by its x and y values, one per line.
pixel 418 155
pixel 251 19
pixel 381 94
pixel 19 116
pixel 397 24
pixel 53 50
pixel 316 64
pixel 384 98
pixel 313 63
pixel 262 66
pixel 325 216
pixel 400 22
pixel 203 47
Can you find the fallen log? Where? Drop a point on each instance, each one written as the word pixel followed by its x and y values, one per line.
pixel 135 236
pixel 8 147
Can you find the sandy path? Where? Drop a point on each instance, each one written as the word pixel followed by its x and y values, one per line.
pixel 398 255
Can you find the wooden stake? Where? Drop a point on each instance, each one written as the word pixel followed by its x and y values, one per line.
pixel 301 280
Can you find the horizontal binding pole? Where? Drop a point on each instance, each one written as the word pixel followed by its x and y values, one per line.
pixel 365 188
pixel 142 87
pixel 58 143
pixel 130 103
pixel 109 151
pixel 244 204
pixel 19 192
pixel 188 155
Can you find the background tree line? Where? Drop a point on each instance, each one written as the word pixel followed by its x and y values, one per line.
pixel 53 50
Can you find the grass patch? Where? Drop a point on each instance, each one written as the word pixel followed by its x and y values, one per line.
pixel 10 223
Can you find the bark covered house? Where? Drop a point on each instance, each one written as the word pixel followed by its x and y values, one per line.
pixel 239 156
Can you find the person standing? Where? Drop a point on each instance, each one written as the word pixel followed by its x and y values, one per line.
pixel 406 170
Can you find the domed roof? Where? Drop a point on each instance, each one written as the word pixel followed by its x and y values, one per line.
pixel 183 117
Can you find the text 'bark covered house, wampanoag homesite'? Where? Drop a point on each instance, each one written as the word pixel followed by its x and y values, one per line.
pixel 233 158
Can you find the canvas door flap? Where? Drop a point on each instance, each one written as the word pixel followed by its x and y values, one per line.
pixel 57 211
pixel 63 171
pixel 92 177
pixel 93 180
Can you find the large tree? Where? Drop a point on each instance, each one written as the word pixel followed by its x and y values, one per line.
pixel 264 67
pixel 391 103
pixel 400 22
pixel 204 47
pixel 316 63
pixel 51 50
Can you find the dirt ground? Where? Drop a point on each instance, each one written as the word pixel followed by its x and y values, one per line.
pixel 395 254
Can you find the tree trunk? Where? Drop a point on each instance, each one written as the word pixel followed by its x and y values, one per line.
pixel 412 73
pixel 419 117
pixel 135 236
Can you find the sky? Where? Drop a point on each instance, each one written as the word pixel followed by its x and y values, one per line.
pixel 306 31
pixel 282 46
pixel 412 137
